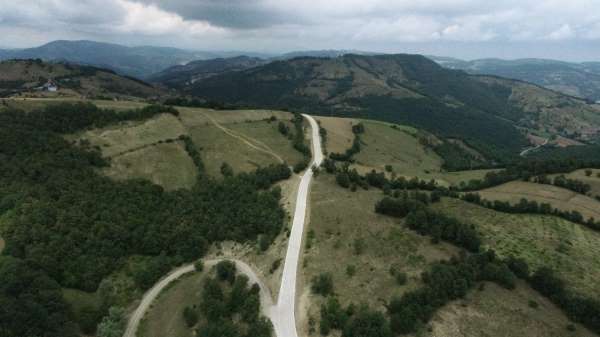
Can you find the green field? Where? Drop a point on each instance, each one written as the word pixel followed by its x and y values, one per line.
pixel 165 318
pixel 541 240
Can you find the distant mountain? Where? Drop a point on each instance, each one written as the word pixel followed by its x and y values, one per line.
pixel 320 53
pixel 576 79
pixel 28 77
pixel 182 75
pixel 134 61
pixel 488 113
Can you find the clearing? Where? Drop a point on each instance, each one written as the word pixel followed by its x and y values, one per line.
pixel 560 198
pixel 245 139
pixel 164 164
pixel 542 240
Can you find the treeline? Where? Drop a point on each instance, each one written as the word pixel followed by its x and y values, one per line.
pixel 425 221
pixel 86 226
pixel 526 169
pixel 196 103
pixel 357 130
pixel 525 206
pixel 193 152
pixel 229 306
pixel 574 185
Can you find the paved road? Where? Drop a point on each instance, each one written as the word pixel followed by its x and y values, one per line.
pixel 282 314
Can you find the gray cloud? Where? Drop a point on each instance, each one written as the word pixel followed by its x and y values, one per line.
pixel 465 28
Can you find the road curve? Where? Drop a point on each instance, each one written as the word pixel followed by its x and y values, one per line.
pixel 282 314
pixel 149 297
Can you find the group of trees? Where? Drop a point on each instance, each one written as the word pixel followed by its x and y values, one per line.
pixel 230 306
pixel 444 282
pixel 86 225
pixel 574 185
pixel 533 207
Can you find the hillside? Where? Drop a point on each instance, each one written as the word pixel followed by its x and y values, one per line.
pixel 181 75
pixel 487 113
pixel 26 77
pixel 576 79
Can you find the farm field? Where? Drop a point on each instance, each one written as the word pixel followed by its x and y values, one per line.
pixel 344 233
pixel 560 198
pixel 542 240
pixel 165 164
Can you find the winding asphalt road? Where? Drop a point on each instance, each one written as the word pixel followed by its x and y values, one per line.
pixel 283 313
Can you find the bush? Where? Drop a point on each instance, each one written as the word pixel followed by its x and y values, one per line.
pixel 226 271
pixel 401 278
pixel 322 284
pixel 199 266
pixel 190 316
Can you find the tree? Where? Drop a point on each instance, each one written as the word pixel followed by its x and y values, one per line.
pixel 190 316
pixel 112 325
pixel 343 179
pixel 226 170
pixel 226 271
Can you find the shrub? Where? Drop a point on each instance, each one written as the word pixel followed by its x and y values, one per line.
pixel 322 284
pixel 190 316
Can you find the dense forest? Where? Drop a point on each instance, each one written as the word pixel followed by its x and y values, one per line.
pixel 63 219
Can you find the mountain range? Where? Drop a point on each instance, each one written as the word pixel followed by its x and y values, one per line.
pixel 491 114
pixel 577 79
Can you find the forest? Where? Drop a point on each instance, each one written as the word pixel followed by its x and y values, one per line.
pixel 86 226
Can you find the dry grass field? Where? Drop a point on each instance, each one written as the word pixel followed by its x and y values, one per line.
pixel 339 133
pixel 499 312
pixel 560 198
pixel 165 164
pixel 542 240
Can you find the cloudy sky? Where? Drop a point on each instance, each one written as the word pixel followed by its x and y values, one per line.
pixel 562 29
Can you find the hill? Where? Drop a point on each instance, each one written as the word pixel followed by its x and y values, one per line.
pixel 577 79
pixel 26 78
pixel 133 61
pixel 485 112
pixel 181 75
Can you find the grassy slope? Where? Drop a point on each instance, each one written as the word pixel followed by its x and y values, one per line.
pixel 157 164
pixel 593 180
pixel 339 133
pixel 560 198
pixel 338 218
pixel 383 145
pixel 246 131
pixel 496 311
pixel 165 318
pixel 570 248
